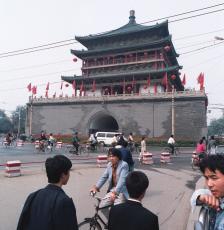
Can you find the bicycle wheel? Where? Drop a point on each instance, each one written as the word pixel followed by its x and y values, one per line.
pixel 167 150
pixel 88 225
pixel 177 150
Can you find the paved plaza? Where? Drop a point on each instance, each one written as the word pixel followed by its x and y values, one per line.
pixel 168 195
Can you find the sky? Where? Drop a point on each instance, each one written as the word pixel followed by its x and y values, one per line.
pixel 29 23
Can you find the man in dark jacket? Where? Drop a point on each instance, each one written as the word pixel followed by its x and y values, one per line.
pixel 50 208
pixel 132 215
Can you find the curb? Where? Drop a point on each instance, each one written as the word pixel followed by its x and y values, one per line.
pixel 195 212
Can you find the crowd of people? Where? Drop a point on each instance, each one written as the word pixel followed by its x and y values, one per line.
pixel 51 208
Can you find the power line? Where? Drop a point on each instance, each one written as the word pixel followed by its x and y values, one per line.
pixel 202 48
pixel 36 47
pixel 30 50
pixel 34 66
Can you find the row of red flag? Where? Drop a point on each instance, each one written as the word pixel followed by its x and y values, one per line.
pixel 200 81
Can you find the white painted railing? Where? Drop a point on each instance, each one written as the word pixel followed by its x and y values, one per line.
pixel 179 94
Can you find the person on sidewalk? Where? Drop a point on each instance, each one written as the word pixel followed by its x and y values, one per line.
pixel 212 168
pixel 131 215
pixel 50 208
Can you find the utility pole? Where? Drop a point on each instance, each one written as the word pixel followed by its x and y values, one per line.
pixel 18 132
pixel 173 112
pixel 31 115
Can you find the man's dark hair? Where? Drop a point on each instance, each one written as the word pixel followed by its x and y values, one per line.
pixel 137 183
pixel 56 166
pixel 213 162
pixel 124 144
pixel 115 152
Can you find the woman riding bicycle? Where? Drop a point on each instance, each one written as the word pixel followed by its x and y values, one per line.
pixel 200 149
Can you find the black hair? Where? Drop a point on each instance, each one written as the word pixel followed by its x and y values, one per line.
pixel 171 135
pixel 56 166
pixel 124 144
pixel 115 152
pixel 136 182
pixel 212 162
pixel 201 141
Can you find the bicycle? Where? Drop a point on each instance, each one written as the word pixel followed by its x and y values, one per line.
pixel 95 222
pixel 169 150
pixel 203 220
pixel 195 159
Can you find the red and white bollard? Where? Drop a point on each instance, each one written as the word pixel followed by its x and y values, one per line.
pixel 37 144
pixel 13 169
pixel 165 157
pixel 102 160
pixel 19 143
pixel 147 158
pixel 59 145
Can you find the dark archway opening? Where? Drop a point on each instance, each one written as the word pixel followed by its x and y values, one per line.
pixel 103 122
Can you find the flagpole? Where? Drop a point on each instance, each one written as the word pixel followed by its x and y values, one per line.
pixel 173 112
pixel 31 115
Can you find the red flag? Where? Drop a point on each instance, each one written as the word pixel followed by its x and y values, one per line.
pixel 29 87
pixel 201 80
pixel 61 84
pixel 124 86
pixel 46 94
pixel 155 88
pixel 34 90
pixel 81 87
pixel 149 81
pixel 47 87
pixel 184 80
pixel 165 81
pixel 94 86
pixel 133 82
pixel 74 85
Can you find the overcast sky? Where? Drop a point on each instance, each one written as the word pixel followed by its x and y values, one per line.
pixel 29 23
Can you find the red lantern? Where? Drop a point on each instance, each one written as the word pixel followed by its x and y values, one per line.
pixel 167 48
pixel 173 77
pixel 66 85
pixel 75 59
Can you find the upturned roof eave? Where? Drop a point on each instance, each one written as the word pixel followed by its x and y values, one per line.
pixel 84 53
pixel 124 30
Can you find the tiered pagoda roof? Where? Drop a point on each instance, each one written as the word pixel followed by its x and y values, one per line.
pixel 127 39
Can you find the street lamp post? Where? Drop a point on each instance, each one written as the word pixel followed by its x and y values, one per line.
pixel 18 132
pixel 173 112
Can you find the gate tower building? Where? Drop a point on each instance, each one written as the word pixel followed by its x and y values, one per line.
pixel 130 82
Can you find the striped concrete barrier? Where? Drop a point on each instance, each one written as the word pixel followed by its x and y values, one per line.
pixel 13 168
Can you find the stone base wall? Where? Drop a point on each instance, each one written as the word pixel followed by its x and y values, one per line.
pixel 151 118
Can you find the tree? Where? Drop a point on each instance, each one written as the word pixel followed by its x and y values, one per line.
pixel 5 123
pixel 216 127
pixel 19 119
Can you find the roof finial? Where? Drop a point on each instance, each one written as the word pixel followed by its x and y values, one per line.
pixel 132 17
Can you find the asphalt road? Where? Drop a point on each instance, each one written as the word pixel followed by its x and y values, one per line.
pixel 171 185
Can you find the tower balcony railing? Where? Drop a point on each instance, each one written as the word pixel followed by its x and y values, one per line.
pixel 122 97
pixel 118 62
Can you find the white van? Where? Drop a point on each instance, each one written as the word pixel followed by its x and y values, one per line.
pixel 105 137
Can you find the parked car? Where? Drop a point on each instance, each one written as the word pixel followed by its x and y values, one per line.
pixel 219 149
pixel 105 137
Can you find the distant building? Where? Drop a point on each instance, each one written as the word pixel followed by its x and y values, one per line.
pixel 129 78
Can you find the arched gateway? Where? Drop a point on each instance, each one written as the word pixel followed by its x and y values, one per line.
pixel 130 82
pixel 103 122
